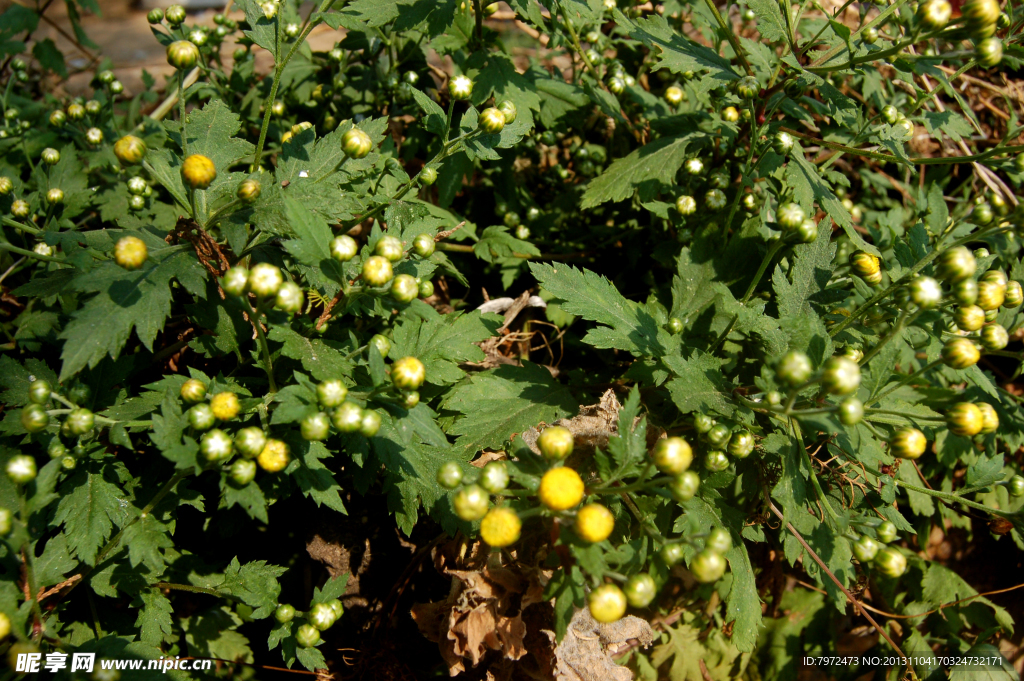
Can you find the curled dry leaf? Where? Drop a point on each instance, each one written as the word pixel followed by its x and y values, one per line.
pixel 484 611
pixel 587 651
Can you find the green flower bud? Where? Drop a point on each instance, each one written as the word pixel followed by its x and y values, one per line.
pixel 960 353
pixel 21 469
pixel 908 443
pixel 741 444
pixel 794 368
pixel 491 120
pixel 356 143
pixel 684 486
pixel 866 548
pixel 348 417
pixel 494 477
pixel 377 271
pixel 672 455
pixel 344 248
pixel 555 443
pixel 851 411
pixel 471 503
pixel 315 427
pixel 956 264
pixel 404 288
pixel 449 475
pixel 708 566
pixel 840 376
pixel 891 562
pixel 964 418
pixel 640 590
pixel 182 54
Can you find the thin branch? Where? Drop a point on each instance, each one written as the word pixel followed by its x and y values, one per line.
pixel 858 606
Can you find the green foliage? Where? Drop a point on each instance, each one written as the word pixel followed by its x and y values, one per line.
pixel 706 277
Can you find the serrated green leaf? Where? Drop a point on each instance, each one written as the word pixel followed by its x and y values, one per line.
pixel 211 633
pixel 743 605
pixel 557 98
pixel 255 584
pixel 322 358
pixel 311 658
pixel 496 242
pixel 154 620
pixel 54 563
pixel 628 448
pixel 313 477
pixel 333 588
pixel 628 325
pixel 770 22
pixel 656 162
pixel 779 645
pixel 699 384
pixel 810 186
pixel 678 53
pixel 90 506
pixel 126 300
pixel 435 115
pixel 503 401
pixel 812 268
pixel 986 669
pixel 411 467
pixel 949 122
pixel 249 497
pixel 442 342
pixel 262 31
pixel 16 378
pixel 985 471
pixel 211 132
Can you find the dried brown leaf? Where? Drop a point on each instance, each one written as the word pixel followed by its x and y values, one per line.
pixel 585 654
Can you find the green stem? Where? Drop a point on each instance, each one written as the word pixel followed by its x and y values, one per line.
pixel 147 509
pixel 772 251
pixel 842 147
pixel 787 7
pixel 810 469
pixel 810 412
pixel 945 496
pixel 181 117
pixel 17 225
pixel 904 414
pixel 732 37
pixel 254 316
pixel 824 26
pixel 28 254
pixel 959 72
pixel 190 589
pixel 95 614
pixel 874 56
pixel 926 368
pixel 478 10
pixel 635 487
pixel 904 320
pixel 279 68
pixel 1005 353
pixel 883 15
pixel 448 121
pixel 220 211
pixel 775 248
pixel 30 562
pixel 919 161
pixel 446 149
pixel 578 46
